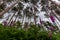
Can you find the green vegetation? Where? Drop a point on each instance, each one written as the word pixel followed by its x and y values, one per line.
pixel 32 33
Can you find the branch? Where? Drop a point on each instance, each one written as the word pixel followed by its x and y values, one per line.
pixel 54 2
pixel 7 9
pixel 54 13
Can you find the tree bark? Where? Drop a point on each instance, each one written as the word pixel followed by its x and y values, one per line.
pixel 34 14
pixel 11 17
pixel 35 18
pixel 55 14
pixel 55 3
pixel 7 9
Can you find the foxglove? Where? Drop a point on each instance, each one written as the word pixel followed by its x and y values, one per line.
pixel 52 18
pixel 51 28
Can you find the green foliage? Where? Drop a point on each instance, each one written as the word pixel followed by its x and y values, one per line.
pixel 57 36
pixel 33 33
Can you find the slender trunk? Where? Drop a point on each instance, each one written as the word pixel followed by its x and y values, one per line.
pixel 54 11
pixel 35 18
pixel 55 14
pixel 16 18
pixel 55 3
pixel 8 18
pixel 34 15
pixel 29 20
pixel 11 17
pixel 23 19
pixel 7 9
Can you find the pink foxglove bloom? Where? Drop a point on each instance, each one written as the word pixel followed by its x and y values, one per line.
pixel 52 18
pixel 51 28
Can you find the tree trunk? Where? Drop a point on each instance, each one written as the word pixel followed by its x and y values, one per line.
pixel 34 14
pixel 23 21
pixel 29 20
pixel 35 18
pixel 55 3
pixel 11 17
pixel 55 14
pixel 15 19
pixel 7 9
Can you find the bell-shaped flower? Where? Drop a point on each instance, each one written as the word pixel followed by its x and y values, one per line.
pixel 51 28
pixel 52 18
